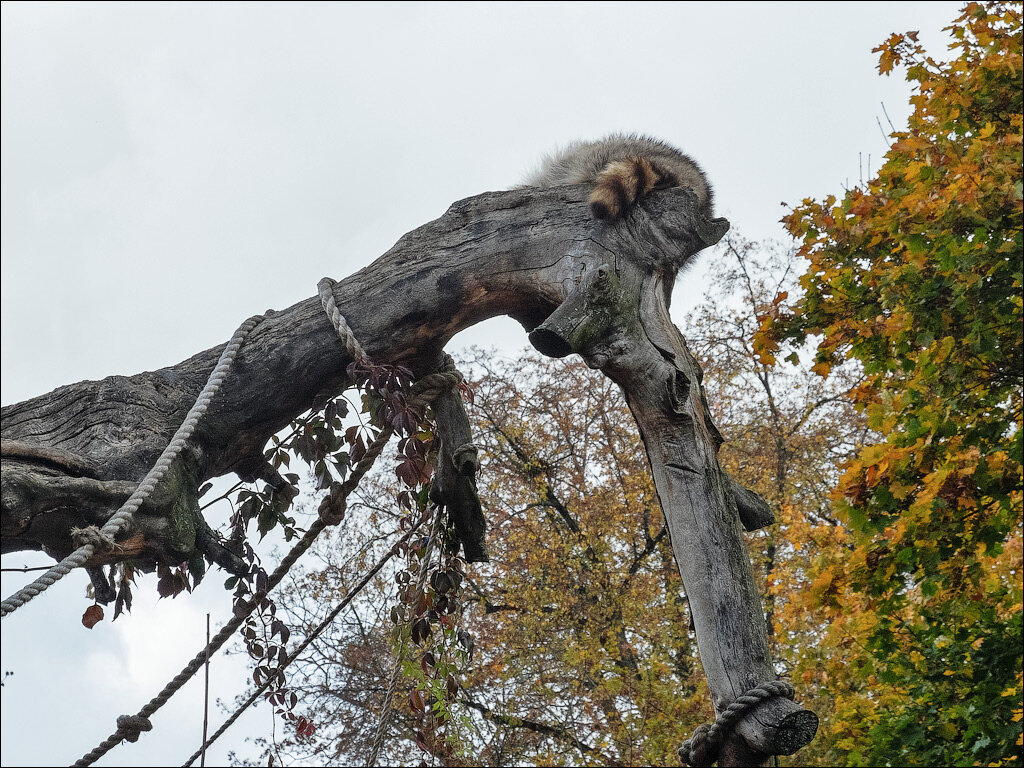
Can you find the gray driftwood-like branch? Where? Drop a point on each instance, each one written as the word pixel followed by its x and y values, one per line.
pixel 71 457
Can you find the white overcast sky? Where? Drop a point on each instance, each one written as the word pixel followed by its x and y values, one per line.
pixel 171 169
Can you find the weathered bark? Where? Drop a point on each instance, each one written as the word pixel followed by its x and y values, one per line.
pixel 454 483
pixel 76 452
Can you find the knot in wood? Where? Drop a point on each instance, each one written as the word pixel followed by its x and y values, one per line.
pixel 466 458
pixel 131 726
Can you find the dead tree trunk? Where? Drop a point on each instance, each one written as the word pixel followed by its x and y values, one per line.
pixel 71 457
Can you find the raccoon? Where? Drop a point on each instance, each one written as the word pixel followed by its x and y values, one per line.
pixel 624 167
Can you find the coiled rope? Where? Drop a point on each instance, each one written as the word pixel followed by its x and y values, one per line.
pixel 92 539
pixel 703 747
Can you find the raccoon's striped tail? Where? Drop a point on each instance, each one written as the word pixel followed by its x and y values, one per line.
pixel 622 183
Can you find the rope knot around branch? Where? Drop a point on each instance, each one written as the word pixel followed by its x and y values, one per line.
pixel 698 749
pixel 91 534
pixel 430 386
pixel 703 747
pixel 426 389
pixel 132 726
pixel 332 508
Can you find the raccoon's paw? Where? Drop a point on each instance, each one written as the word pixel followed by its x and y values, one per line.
pixel 620 185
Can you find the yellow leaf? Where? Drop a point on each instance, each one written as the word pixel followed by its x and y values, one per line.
pixel 1008 692
pixel 913 169
pixel 949 672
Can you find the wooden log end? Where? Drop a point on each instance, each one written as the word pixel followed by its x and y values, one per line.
pixel 777 726
pixel 795 731
pixel 755 513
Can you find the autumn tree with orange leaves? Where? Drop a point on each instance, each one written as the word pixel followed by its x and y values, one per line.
pixel 918 278
pixel 584 653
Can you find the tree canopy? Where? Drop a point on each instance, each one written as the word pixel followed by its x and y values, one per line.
pixel 917 277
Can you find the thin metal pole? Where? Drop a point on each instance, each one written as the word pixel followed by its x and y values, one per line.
pixel 206 695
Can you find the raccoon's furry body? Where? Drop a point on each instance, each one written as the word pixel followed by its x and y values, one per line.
pixel 624 168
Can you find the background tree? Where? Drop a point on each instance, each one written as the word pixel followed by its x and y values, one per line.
pixel 918 277
pixel 582 649
pixel 583 652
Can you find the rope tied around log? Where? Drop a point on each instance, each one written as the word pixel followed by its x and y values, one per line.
pixel 426 389
pixel 123 516
pixel 93 536
pixel 703 747
pixel 326 290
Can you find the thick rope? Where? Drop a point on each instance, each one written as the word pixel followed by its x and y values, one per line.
pixel 703 747
pixel 91 539
pixel 241 613
pixel 423 391
pixel 428 387
pixel 332 508
pixel 326 290
pixel 396 673
pixel 385 713
pixel 306 643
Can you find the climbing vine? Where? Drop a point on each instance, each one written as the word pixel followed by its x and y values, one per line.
pixel 429 642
